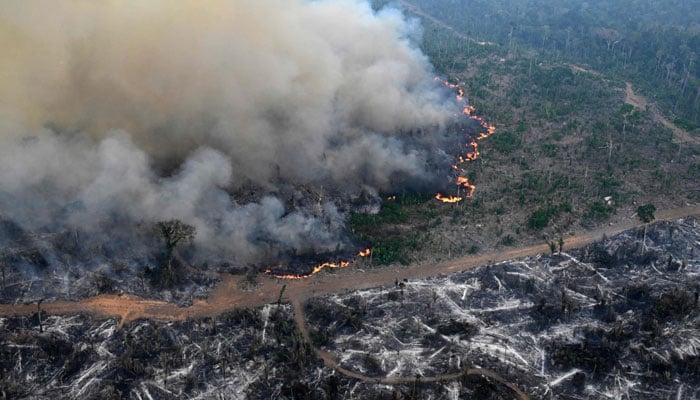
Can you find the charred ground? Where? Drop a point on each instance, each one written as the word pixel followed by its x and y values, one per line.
pixel 615 318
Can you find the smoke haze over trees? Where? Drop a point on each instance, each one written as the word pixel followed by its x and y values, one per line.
pixel 116 113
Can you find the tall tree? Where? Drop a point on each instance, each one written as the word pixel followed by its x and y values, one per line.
pixel 173 232
pixel 646 215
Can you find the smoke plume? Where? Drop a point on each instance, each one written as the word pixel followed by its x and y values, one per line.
pixel 224 114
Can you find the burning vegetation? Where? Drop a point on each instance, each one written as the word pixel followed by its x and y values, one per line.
pixel 320 267
pixel 265 158
pixel 471 153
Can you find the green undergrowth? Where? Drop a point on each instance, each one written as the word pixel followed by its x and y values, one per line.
pixel 390 232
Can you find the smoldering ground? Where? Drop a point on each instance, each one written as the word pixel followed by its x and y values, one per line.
pixel 118 114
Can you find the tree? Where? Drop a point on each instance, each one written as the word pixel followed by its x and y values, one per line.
pixel 539 219
pixel 552 246
pixel 561 244
pixel 38 314
pixel 646 215
pixel 173 231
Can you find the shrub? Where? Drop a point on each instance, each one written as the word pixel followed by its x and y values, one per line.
pixel 598 210
pixel 508 240
pixel 538 220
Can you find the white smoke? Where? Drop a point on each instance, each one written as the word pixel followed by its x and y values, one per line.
pixel 164 109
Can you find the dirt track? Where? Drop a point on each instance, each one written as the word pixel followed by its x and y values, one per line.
pixel 640 102
pixel 419 12
pixel 229 295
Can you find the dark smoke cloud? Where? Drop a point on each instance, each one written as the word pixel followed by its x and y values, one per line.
pixel 133 112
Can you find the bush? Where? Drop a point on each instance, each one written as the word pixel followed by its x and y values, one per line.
pixel 598 210
pixel 684 124
pixel 391 212
pixel 549 150
pixel 539 219
pixel 646 212
pixel 389 251
pixel 508 240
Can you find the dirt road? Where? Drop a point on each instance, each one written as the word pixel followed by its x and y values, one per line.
pixel 680 135
pixel 228 294
pixel 414 9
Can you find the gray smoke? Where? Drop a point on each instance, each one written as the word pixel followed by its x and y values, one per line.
pixel 218 113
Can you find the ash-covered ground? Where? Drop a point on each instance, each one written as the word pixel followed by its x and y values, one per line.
pixel 69 265
pixel 246 354
pixel 243 354
pixel 617 319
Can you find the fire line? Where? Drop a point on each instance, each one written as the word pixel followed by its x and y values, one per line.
pixel 320 267
pixel 471 153
pixel 472 148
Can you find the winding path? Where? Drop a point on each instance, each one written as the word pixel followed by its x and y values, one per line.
pixel 640 102
pixel 414 9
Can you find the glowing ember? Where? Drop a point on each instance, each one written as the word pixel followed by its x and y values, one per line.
pixel 316 270
pixel 391 198
pixel 472 152
pixel 365 253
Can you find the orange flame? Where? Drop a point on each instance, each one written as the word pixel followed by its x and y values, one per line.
pixel 448 199
pixel 315 270
pixel 474 154
pixel 463 181
pixel 320 267
pixel 469 109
